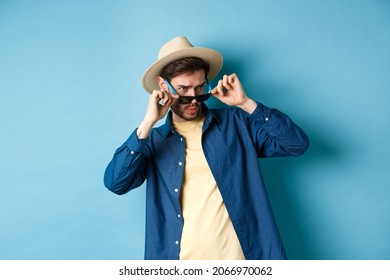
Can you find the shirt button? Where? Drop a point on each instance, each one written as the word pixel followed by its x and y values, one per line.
pixel 178 216
pixel 176 190
pixel 181 139
pixel 266 119
pixel 180 163
pixel 177 242
pixel 132 152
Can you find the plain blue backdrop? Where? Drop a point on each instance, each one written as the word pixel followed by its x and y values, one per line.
pixel 71 94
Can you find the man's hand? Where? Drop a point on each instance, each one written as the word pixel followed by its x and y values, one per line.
pixel 230 91
pixel 158 106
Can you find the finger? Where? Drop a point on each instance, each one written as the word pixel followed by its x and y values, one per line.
pixel 169 102
pixel 225 82
pixel 173 96
pixel 171 99
pixel 165 98
pixel 232 79
pixel 219 88
pixel 156 96
pixel 216 93
pixel 214 90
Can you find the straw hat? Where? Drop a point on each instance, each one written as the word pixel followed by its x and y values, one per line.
pixel 175 49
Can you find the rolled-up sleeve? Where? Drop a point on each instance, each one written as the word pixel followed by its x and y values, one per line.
pixel 275 134
pixel 127 169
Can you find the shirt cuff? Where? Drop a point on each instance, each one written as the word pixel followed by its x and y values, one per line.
pixel 133 143
pixel 261 114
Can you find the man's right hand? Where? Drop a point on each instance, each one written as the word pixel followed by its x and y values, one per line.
pixel 158 106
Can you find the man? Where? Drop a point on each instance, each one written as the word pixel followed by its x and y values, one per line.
pixel 206 197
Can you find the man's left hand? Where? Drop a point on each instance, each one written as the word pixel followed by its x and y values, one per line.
pixel 230 91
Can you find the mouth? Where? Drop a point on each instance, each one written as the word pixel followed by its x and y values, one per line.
pixel 192 110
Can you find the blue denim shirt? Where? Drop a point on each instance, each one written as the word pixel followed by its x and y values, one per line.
pixel 232 142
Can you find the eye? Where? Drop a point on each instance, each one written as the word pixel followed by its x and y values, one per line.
pixel 200 89
pixel 182 89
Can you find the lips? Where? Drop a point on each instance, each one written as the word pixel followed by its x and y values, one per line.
pixel 192 110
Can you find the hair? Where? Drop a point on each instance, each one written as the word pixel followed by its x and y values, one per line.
pixel 184 65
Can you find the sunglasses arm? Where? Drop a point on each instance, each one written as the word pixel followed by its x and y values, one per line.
pixel 170 87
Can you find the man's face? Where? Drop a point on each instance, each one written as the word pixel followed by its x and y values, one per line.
pixel 188 84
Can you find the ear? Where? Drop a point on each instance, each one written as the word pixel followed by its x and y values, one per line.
pixel 161 82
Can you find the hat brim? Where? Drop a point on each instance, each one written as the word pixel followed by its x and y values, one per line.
pixel 214 58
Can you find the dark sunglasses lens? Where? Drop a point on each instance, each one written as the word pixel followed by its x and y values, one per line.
pixel 202 98
pixel 186 99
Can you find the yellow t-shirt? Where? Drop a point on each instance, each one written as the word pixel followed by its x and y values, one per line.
pixel 208 233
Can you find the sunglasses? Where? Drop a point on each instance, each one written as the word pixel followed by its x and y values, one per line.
pixel 189 99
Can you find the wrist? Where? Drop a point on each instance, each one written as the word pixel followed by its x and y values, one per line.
pixel 144 129
pixel 248 106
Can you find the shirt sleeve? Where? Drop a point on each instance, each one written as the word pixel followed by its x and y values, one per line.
pixel 275 134
pixel 127 169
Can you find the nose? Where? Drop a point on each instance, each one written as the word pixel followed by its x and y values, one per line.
pixel 192 92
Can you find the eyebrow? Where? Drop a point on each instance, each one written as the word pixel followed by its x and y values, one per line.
pixel 185 86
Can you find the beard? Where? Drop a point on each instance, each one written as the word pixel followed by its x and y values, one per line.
pixel 187 112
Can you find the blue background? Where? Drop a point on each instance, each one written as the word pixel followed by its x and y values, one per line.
pixel 70 95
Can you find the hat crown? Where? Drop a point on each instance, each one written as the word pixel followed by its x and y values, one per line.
pixel 176 44
pixel 178 48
